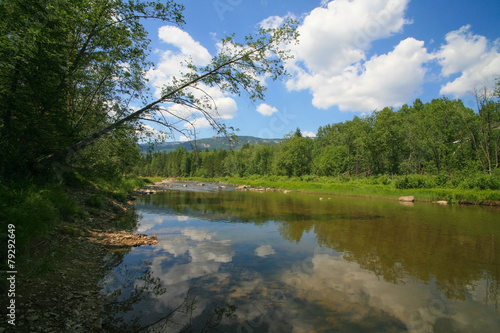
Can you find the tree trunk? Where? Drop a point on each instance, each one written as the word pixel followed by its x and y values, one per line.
pixel 496 155
pixel 133 116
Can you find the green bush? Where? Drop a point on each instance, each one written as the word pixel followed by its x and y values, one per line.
pixel 344 178
pixel 379 180
pixel 308 178
pixel 414 181
pixel 481 181
pixel 441 180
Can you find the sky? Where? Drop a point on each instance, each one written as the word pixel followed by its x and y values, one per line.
pixel 353 57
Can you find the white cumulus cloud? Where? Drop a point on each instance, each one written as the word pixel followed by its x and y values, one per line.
pixel 185 43
pixel 331 57
pixel 182 47
pixel 197 123
pixel 337 36
pixel 388 79
pixel 266 110
pixel 308 134
pixel 472 57
pixel 271 22
pixel 171 63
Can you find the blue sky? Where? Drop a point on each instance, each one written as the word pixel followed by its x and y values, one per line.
pixel 353 57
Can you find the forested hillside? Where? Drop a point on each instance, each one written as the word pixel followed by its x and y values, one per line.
pixel 214 143
pixel 442 138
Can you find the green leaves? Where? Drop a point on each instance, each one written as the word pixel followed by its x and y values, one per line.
pixel 67 68
pixel 295 156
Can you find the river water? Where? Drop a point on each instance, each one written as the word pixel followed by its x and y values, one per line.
pixel 229 261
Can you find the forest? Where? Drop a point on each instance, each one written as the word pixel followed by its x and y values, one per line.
pixel 441 143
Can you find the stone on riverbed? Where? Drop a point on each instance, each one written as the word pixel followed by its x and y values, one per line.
pixel 409 198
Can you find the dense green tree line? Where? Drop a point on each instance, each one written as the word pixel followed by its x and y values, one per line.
pixel 440 138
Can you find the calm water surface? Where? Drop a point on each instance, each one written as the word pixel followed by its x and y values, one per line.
pixel 273 262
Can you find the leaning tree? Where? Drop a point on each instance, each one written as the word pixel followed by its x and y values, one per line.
pixel 73 72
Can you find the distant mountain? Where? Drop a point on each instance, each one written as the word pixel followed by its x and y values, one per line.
pixel 210 144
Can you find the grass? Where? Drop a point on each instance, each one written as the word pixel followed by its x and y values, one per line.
pixel 119 188
pixel 34 209
pixel 38 208
pixel 374 187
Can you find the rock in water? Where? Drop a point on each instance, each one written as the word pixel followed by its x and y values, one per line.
pixel 410 198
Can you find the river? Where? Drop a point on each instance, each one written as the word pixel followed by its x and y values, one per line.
pixel 230 261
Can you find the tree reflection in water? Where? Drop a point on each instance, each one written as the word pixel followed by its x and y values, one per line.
pixel 454 245
pixel 134 287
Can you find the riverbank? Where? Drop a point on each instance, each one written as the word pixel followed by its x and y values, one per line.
pixel 58 275
pixel 379 187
